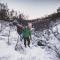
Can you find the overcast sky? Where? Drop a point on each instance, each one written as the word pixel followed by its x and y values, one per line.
pixel 33 8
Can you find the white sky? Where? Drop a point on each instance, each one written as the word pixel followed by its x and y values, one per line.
pixel 33 8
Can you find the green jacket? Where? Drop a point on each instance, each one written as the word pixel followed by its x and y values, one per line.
pixel 26 32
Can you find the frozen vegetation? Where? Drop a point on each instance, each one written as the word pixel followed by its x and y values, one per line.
pixel 44 45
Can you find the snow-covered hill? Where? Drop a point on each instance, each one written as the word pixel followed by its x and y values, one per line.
pixel 44 45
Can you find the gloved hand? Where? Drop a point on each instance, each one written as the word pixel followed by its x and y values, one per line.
pixel 14 23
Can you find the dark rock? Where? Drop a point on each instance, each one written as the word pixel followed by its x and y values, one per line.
pixel 41 43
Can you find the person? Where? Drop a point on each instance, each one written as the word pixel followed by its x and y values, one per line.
pixel 19 31
pixel 26 35
pixel 19 28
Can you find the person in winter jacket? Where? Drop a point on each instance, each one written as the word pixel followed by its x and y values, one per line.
pixel 26 35
pixel 19 28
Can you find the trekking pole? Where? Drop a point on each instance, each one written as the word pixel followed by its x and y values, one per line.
pixel 8 37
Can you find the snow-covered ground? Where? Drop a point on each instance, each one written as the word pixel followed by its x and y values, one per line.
pixel 50 39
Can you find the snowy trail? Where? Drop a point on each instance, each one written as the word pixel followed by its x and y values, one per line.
pixel 36 53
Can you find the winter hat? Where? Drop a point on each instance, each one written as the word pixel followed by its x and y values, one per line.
pixel 30 25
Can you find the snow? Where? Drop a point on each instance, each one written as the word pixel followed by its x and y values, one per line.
pixel 36 53
pixel 51 50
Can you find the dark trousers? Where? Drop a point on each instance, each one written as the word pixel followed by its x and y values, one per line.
pixel 26 40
